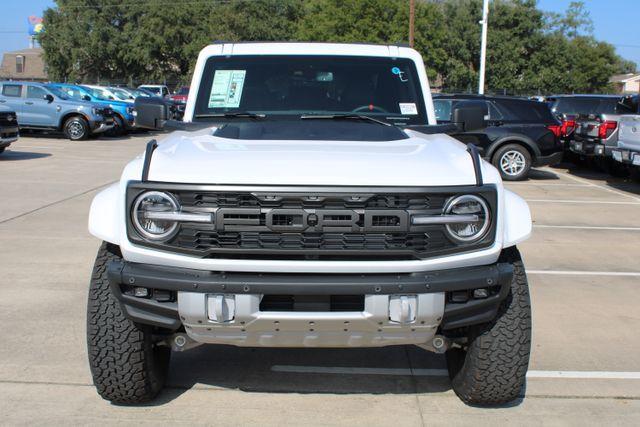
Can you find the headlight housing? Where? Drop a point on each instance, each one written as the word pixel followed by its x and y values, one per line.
pixel 154 202
pixel 468 204
pixel 95 111
pixel 131 111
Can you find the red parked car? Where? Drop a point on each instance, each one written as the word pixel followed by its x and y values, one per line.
pixel 180 96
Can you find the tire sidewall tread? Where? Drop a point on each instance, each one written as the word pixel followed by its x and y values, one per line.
pixel 127 368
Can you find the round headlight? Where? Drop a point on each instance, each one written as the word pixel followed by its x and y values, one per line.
pixel 142 214
pixel 468 205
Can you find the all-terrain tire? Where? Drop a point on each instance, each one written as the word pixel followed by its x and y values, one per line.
pixel 76 128
pixel 492 369
pixel 126 365
pixel 517 153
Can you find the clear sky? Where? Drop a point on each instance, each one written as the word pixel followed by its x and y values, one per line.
pixel 615 21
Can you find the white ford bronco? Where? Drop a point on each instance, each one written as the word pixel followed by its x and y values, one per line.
pixel 309 200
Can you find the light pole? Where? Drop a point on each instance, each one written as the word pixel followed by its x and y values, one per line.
pixel 483 47
pixel 412 19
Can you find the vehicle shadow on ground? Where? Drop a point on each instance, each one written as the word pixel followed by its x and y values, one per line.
pixel 625 183
pixel 267 370
pixel 540 175
pixel 12 155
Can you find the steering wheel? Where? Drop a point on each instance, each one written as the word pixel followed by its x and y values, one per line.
pixel 365 108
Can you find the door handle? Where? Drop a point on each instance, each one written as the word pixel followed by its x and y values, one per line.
pixel 29 103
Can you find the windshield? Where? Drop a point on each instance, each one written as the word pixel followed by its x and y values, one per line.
pixel 73 92
pixel 385 88
pixel 58 92
pixel 101 93
pixel 152 89
pixel 589 105
pixel 120 94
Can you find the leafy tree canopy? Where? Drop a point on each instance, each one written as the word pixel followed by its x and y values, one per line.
pixel 142 41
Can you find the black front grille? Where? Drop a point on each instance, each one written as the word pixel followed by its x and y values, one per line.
pixel 105 112
pixel 8 119
pixel 304 223
pixel 326 201
pixel 310 244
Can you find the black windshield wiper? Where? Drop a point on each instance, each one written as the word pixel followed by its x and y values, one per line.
pixel 232 115
pixel 344 117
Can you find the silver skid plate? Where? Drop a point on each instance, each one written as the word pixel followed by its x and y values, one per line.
pixel 237 320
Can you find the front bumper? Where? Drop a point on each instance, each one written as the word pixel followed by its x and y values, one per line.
pixel 550 160
pixel 626 157
pixel 237 319
pixel 100 127
pixel 8 135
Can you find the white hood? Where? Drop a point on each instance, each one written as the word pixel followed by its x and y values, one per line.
pixel 421 160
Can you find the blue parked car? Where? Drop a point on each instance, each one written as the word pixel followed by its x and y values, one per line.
pixel 46 107
pixel 124 115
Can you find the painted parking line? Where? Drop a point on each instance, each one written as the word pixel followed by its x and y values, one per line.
pixel 584 201
pixel 344 370
pixel 591 184
pixel 586 227
pixel 546 184
pixel 585 273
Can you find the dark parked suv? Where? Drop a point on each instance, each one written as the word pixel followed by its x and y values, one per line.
pixel 520 133
pixel 8 127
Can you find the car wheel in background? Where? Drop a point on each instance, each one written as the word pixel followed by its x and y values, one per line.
pixel 118 128
pixel 76 128
pixel 513 161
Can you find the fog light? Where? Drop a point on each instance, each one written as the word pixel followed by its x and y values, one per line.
pixel 141 292
pixel 460 296
pixel 480 293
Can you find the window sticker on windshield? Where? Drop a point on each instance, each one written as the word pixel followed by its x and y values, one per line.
pixel 408 108
pixel 400 74
pixel 226 89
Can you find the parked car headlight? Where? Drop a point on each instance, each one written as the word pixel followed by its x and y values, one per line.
pixel 468 205
pixel 95 111
pixel 131 111
pixel 147 215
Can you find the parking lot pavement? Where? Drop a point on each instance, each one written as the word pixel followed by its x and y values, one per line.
pixel 583 272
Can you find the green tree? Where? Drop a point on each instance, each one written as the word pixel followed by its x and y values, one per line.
pixel 136 41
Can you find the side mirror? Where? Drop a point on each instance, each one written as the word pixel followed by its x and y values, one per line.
pixel 469 116
pixel 86 98
pixel 152 113
pixel 48 97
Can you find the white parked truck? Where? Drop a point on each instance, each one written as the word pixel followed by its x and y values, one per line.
pixel 309 200
pixel 628 150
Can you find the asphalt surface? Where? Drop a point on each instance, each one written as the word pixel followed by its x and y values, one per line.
pixel 582 262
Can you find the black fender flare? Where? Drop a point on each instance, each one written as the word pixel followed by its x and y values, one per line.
pixel 513 139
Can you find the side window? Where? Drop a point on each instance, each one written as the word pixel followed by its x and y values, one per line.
pixel 443 109
pixel 165 91
pixel 494 113
pixel 35 92
pixel 12 90
pixel 19 64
